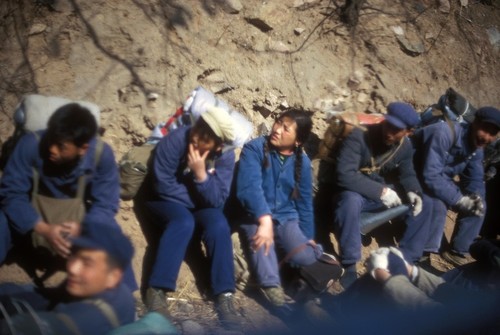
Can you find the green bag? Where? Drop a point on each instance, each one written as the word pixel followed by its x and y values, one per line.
pixel 133 168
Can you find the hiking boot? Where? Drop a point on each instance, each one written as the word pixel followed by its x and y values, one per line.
pixel 280 303
pixel 455 258
pixel 228 316
pixel 275 295
pixel 156 301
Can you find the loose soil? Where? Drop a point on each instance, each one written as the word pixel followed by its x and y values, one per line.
pixel 138 60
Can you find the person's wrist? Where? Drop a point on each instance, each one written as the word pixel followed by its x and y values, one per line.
pixel 200 177
pixel 41 228
pixel 265 220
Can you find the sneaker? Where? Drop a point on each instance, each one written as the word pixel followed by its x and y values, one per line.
pixel 156 301
pixel 228 316
pixel 455 258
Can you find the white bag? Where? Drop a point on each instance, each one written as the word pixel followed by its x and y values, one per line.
pixel 34 110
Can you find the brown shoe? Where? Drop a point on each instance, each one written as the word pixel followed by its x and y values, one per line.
pixel 455 258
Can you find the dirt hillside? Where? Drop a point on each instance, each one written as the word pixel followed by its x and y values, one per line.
pixel 138 60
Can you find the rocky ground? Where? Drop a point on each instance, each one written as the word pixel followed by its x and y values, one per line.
pixel 138 60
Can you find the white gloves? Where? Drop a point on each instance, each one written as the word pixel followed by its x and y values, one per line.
pixel 416 202
pixel 390 198
pixel 389 259
pixel 471 204
pixel 378 260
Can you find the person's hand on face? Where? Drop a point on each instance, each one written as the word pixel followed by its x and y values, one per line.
pixel 196 162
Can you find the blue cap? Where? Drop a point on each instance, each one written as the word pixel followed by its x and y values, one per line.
pixel 488 115
pixel 107 237
pixel 402 115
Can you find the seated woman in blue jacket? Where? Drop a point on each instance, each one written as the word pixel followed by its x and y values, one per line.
pixel 192 177
pixel 274 185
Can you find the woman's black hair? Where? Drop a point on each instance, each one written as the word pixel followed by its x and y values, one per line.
pixel 73 123
pixel 304 126
pixel 204 132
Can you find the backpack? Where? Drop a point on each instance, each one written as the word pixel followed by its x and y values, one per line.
pixel 135 164
pixel 340 125
pixel 451 107
pixel 32 114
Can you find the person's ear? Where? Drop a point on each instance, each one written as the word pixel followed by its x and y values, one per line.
pixel 113 278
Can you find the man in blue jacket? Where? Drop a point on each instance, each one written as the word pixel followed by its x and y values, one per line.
pixel 375 171
pixel 57 181
pixel 92 300
pixel 442 153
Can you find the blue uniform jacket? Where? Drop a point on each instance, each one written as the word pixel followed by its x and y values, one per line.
pixel 438 160
pixel 269 190
pixel 356 152
pixel 102 183
pixel 54 307
pixel 174 182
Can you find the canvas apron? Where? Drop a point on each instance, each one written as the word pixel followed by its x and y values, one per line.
pixel 56 211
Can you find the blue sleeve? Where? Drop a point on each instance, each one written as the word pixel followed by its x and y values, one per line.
pixel 406 170
pixel 16 185
pixel 472 178
pixel 436 145
pixel 349 161
pixel 169 153
pixel 249 188
pixel 304 203
pixel 214 190
pixel 103 188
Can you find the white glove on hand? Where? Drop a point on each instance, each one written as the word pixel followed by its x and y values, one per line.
pixel 479 211
pixel 416 202
pixel 471 204
pixel 390 198
pixel 378 260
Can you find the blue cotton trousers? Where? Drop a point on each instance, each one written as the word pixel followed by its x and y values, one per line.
pixel 467 228
pixel 179 225
pixel 287 237
pixel 348 207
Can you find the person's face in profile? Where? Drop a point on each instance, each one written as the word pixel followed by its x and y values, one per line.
pixel 393 134
pixel 64 152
